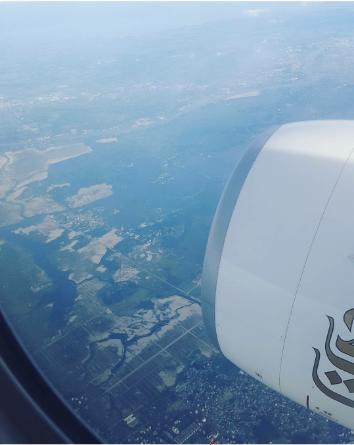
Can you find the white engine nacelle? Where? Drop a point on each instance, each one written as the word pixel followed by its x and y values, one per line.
pixel 278 278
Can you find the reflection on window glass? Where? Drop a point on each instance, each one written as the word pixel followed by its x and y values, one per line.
pixel 120 125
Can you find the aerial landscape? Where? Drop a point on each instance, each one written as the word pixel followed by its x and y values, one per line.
pixel 115 146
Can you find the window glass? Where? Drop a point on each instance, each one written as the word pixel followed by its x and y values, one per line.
pixel 119 126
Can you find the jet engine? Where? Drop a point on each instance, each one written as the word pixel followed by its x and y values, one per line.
pixel 278 276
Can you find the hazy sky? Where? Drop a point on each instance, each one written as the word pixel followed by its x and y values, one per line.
pixel 109 19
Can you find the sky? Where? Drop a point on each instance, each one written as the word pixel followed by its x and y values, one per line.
pixel 122 19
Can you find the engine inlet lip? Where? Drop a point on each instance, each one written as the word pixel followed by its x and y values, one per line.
pixel 219 227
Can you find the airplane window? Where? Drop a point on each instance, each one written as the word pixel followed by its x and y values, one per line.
pixel 120 125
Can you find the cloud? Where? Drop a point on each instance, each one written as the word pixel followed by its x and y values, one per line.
pixel 253 12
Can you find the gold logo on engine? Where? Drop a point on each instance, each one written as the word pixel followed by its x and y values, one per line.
pixel 336 383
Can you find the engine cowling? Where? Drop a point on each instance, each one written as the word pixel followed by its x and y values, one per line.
pixel 278 277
